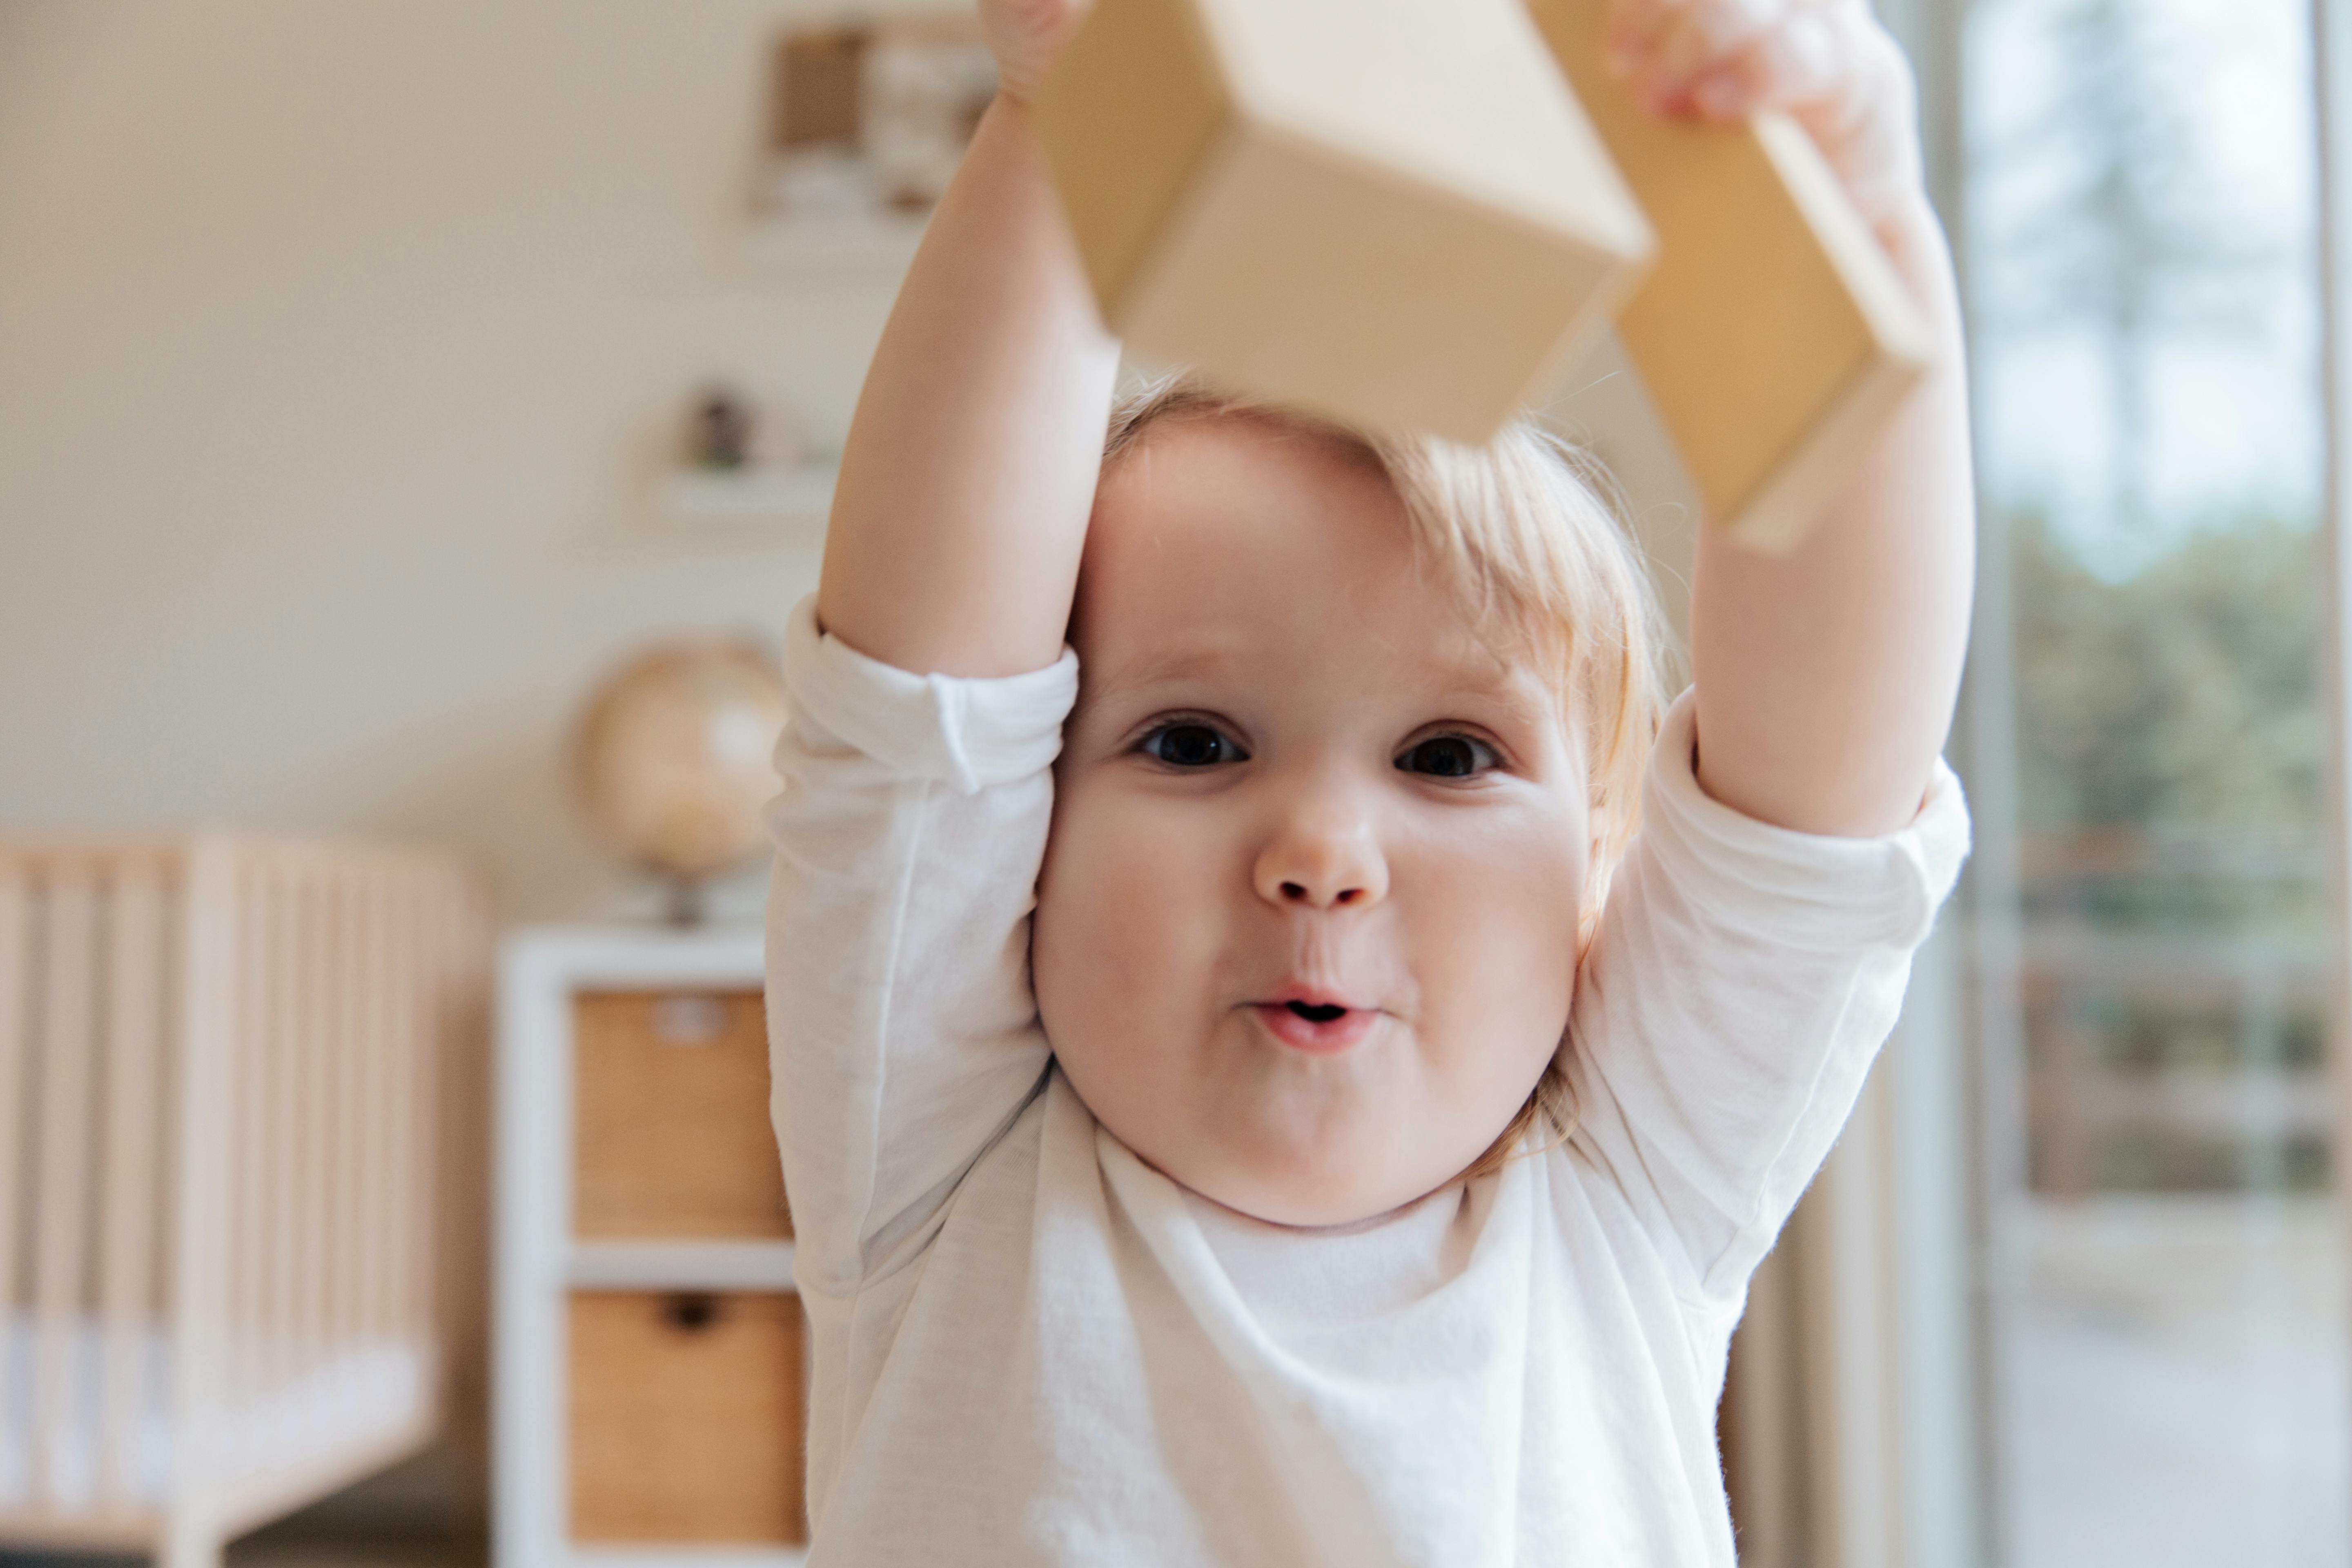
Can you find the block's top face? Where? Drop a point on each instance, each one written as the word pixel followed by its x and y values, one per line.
pixel 1457 93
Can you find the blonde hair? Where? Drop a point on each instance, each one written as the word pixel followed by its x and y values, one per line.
pixel 1518 531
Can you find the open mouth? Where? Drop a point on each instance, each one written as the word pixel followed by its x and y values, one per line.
pixel 1319 1027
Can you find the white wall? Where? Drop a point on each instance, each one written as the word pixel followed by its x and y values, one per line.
pixel 339 344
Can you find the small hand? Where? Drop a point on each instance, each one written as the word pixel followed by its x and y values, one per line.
pixel 1826 63
pixel 1024 35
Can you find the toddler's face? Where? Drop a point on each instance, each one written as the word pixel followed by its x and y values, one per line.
pixel 1306 928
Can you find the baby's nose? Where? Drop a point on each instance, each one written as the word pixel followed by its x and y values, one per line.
pixel 1299 892
pixel 1325 864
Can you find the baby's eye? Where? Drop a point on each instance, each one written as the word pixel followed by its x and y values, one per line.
pixel 1192 745
pixel 1449 757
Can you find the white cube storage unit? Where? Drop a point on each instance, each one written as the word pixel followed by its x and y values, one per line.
pixel 651 1369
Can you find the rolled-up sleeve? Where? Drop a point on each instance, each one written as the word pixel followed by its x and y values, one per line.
pixel 902 1032
pixel 1740 986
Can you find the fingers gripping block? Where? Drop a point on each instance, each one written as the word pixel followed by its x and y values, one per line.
pixel 1398 212
pixel 1773 334
pixel 1392 211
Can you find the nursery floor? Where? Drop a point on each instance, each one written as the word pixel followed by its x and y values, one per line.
pixel 2177 1387
pixel 270 1549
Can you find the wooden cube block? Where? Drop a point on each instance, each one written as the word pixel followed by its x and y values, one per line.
pixel 1773 333
pixel 670 1132
pixel 1392 211
pixel 686 1416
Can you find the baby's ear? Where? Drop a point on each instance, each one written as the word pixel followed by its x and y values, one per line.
pixel 1600 819
pixel 1598 870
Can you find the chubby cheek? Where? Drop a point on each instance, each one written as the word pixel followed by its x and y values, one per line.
pixel 1494 936
pixel 1128 927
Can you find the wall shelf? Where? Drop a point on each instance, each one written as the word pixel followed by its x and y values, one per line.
pixel 806 244
pixel 728 500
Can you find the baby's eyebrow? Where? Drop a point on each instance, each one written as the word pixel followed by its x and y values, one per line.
pixel 1155 670
pixel 1479 672
pixel 1517 691
pixel 1478 677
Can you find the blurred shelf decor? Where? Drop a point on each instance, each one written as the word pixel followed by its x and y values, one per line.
pixel 798 500
pixel 672 761
pixel 740 467
pixel 867 122
pixel 651 1350
pixel 240 1074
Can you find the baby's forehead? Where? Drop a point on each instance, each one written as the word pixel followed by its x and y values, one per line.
pixel 1228 511
pixel 1211 655
pixel 1240 552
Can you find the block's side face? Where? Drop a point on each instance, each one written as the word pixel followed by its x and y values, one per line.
pixel 1775 515
pixel 1460 94
pixel 1748 332
pixel 1134 105
pixel 1744 337
pixel 1896 320
pixel 1323 282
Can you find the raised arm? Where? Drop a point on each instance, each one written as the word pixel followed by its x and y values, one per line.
pixel 970 465
pixel 903 1035
pixel 1826 678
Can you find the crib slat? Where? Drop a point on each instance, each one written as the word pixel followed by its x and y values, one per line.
pixel 383 1151
pixel 431 1041
pixel 368 1001
pixel 385 1072
pixel 328 1140
pixel 16 930
pixel 306 1138
pixel 136 986
pixel 284 1038
pixel 352 1101
pixel 287 1247
pixel 409 1016
pixel 240 1091
pixel 335 1105
pixel 215 938
pixel 287 1139
pixel 247 1215
pixel 335 1315
pixel 400 1088
pixel 65 1040
pixel 363 934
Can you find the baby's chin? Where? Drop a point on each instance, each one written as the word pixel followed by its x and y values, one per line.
pixel 1291 1182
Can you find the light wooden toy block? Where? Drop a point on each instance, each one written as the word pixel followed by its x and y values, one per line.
pixel 1773 334
pixel 1389 211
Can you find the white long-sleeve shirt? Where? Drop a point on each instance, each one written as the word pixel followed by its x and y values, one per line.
pixel 1030 1347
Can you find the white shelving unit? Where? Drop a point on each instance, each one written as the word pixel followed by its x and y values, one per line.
pixel 680 1264
pixel 789 501
pixel 543 972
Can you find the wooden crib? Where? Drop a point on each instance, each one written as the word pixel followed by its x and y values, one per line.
pixel 224 1066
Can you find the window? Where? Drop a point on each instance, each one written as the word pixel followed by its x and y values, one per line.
pixel 2153 944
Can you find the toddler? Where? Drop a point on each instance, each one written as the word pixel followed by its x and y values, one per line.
pixel 1286 1050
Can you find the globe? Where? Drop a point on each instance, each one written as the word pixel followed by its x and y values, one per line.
pixel 671 761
